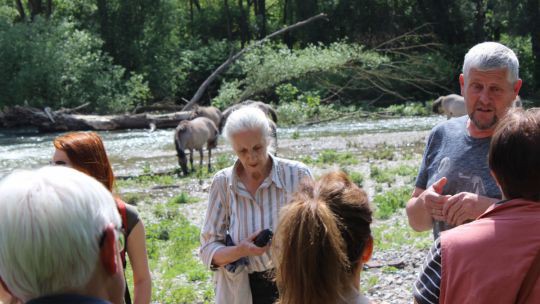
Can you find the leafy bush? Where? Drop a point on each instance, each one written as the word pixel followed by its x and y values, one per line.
pixel 408 109
pixel 391 201
pixel 357 178
pixel 183 198
pixel 272 64
pixel 382 175
pixel 54 64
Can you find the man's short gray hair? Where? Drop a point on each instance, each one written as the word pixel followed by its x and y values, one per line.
pixel 247 118
pixel 51 221
pixel 488 56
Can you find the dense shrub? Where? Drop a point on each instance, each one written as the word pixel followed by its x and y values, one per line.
pixel 54 64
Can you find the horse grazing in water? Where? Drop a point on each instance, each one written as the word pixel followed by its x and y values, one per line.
pixel 213 113
pixel 193 135
pixel 266 108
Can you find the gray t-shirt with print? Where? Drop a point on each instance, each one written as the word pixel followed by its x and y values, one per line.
pixel 452 152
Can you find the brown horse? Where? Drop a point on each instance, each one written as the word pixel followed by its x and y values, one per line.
pixel 266 108
pixel 193 134
pixel 213 113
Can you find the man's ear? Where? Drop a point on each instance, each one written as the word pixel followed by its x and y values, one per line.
pixel 517 86
pixel 368 250
pixel 108 251
pixel 462 83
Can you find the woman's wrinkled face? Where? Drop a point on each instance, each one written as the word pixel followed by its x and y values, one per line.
pixel 60 158
pixel 251 148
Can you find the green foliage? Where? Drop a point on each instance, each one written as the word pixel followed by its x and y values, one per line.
pixel 396 233
pixel 272 64
pixel 332 157
pixel 391 201
pixel 357 178
pixel 380 152
pixel 223 161
pixel 228 94
pixel 60 66
pixel 408 109
pixel 146 181
pixel 183 198
pixel 174 237
pixel 381 175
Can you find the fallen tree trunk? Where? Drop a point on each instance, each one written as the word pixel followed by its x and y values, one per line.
pixel 47 121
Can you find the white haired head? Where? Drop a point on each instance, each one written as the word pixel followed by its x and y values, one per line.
pixel 51 221
pixel 488 56
pixel 247 118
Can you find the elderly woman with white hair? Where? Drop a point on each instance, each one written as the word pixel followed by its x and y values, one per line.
pixel 245 199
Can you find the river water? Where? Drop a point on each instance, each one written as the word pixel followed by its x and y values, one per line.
pixel 132 152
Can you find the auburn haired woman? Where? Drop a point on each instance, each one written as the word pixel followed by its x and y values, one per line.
pixel 85 152
pixel 322 241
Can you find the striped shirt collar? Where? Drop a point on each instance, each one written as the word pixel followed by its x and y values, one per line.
pixel 275 174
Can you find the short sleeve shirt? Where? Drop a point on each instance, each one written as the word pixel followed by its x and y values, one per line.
pixel 452 153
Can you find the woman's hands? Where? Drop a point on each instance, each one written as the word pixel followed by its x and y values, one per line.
pixel 246 247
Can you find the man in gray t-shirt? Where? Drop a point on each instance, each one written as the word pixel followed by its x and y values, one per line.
pixel 454 184
pixel 452 153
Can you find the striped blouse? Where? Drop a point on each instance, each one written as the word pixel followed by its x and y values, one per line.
pixel 232 208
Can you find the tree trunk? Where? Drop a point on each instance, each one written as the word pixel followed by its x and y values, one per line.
pixel 534 26
pixel 20 9
pixel 228 17
pixel 48 9
pixel 244 26
pixel 479 21
pixel 47 121
pixel 287 19
pixel 36 8
pixel 259 7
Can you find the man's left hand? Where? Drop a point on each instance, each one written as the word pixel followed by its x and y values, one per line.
pixel 465 206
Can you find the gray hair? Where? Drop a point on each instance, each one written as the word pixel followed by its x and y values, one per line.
pixel 247 118
pixel 488 56
pixel 51 221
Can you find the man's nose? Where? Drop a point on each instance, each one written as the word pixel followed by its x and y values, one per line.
pixel 485 97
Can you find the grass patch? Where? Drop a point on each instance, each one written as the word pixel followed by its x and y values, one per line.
pixel 393 236
pixel 145 181
pixel 223 161
pixel 172 243
pixel 183 198
pixel 331 157
pixel 369 280
pixel 388 175
pixel 356 177
pixel 391 201
pixel 380 152
pixel 381 176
